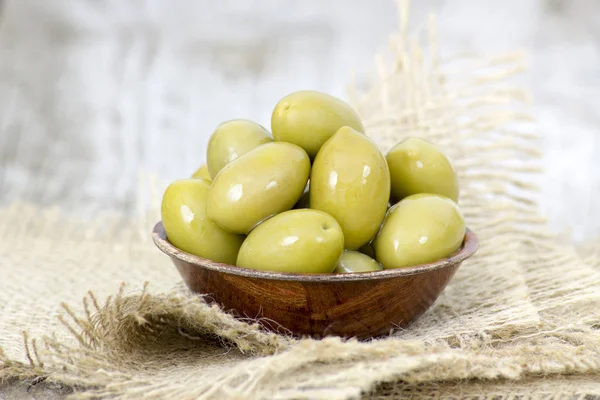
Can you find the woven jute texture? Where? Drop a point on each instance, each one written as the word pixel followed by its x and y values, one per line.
pixel 519 320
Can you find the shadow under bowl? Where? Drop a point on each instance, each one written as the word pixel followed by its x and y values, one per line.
pixel 361 305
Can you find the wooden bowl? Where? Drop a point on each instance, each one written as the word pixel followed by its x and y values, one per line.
pixel 361 305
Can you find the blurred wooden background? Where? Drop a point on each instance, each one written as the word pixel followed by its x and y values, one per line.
pixel 93 91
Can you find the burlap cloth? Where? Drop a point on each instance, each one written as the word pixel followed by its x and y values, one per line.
pixel 519 320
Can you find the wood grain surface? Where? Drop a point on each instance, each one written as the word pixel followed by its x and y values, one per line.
pixel 361 305
pixel 92 93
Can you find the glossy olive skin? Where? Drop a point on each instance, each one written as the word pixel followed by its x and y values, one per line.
pixel 353 261
pixel 297 241
pixel 231 140
pixel 184 218
pixel 261 183
pixel 202 173
pixel 351 182
pixel 417 166
pixel 419 229
pixel 309 118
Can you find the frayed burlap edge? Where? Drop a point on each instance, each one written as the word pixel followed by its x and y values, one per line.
pixel 468 107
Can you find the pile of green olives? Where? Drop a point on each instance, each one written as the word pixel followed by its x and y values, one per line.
pixel 316 196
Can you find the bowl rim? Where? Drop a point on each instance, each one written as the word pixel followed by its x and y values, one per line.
pixel 468 248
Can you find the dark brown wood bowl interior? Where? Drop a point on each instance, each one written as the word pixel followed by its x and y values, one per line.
pixel 361 305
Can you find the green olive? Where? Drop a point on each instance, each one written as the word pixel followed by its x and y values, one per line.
pixel 417 166
pixel 231 140
pixel 298 241
pixel 202 172
pixel 261 183
pixel 351 182
pixel 184 218
pixel 353 261
pixel 309 118
pixel 419 229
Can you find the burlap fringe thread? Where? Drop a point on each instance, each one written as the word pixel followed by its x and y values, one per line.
pixel 523 313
